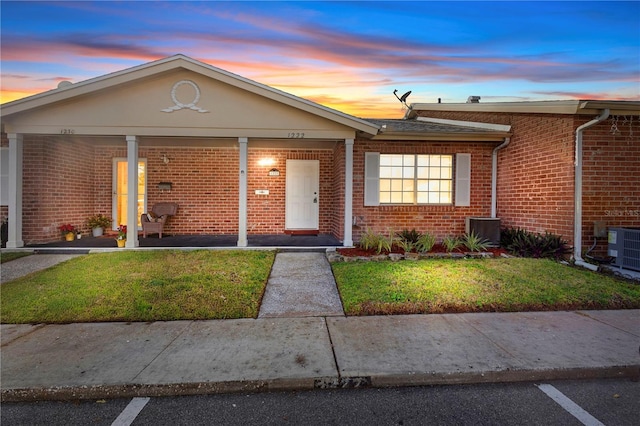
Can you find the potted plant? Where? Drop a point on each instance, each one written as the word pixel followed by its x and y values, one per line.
pixel 98 223
pixel 68 231
pixel 122 235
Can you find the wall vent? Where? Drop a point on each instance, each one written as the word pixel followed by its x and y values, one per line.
pixel 624 245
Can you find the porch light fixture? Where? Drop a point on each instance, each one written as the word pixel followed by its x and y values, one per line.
pixel 165 159
pixel 266 162
pixel 274 172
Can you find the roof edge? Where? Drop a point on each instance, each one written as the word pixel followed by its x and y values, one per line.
pixel 570 107
pixel 471 124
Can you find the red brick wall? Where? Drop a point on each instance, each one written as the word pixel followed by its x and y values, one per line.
pixel 205 186
pixel 441 221
pixel 536 172
pixel 611 178
pixel 57 186
pixel 266 213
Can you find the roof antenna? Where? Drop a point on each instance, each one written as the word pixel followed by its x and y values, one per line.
pixel 403 98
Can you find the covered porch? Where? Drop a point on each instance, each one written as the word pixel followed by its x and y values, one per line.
pixel 233 154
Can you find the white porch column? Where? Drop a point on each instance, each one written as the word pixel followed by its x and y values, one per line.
pixel 14 237
pixel 242 205
pixel 348 193
pixel 132 192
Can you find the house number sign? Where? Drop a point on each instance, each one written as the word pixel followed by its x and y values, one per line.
pixel 179 105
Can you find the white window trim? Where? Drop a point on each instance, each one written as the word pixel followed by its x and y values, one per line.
pixel 462 181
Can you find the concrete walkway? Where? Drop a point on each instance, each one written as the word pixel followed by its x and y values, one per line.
pixel 107 360
pixel 301 285
pixel 28 264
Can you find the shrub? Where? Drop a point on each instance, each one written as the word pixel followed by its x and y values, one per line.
pixel 408 240
pixel 528 244
pixel 373 241
pixel 451 243
pixel 473 242
pixel 411 236
pixel 425 242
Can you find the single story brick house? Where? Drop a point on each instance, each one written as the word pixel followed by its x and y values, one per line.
pixel 242 158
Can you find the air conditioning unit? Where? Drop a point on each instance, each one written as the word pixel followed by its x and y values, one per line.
pixel 487 228
pixel 624 245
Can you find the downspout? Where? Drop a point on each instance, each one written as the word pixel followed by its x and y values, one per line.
pixel 494 176
pixel 577 209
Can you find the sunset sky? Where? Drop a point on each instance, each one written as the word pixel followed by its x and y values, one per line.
pixel 345 55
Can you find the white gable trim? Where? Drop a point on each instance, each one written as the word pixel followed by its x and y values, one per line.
pixel 177 62
pixel 472 124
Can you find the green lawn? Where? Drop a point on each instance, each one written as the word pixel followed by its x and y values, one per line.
pixel 141 286
pixel 476 285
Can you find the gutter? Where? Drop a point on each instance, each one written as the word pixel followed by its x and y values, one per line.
pixel 577 209
pixel 494 176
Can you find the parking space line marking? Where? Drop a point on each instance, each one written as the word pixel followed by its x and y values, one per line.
pixel 130 412
pixel 569 406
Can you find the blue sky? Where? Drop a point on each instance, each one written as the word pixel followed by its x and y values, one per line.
pixel 346 55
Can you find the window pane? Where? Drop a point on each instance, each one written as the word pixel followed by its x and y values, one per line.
pixel 396 160
pixel 385 197
pixel 409 160
pixel 434 173
pixel 407 185
pixel 396 197
pixel 423 197
pixel 407 172
pixel 434 198
pixel 407 197
pixel 434 186
pixel 423 185
pixel 385 185
pixel 445 197
pixel 385 172
pixel 396 185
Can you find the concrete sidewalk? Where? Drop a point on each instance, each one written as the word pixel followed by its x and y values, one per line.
pixel 315 347
pixel 103 360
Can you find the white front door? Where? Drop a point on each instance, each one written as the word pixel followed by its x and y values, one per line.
pixel 302 194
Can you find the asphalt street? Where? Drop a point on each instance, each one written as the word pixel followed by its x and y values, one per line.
pixel 592 402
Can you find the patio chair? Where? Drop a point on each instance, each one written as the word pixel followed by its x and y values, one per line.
pixel 154 221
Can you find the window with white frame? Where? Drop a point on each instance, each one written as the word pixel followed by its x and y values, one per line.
pixel 417 179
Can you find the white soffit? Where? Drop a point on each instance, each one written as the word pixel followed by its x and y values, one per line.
pixel 472 124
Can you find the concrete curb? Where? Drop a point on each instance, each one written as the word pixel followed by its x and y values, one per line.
pixel 67 393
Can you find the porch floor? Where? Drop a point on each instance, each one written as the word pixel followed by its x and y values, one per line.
pixel 178 241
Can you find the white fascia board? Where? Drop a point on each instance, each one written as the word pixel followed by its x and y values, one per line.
pixel 471 124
